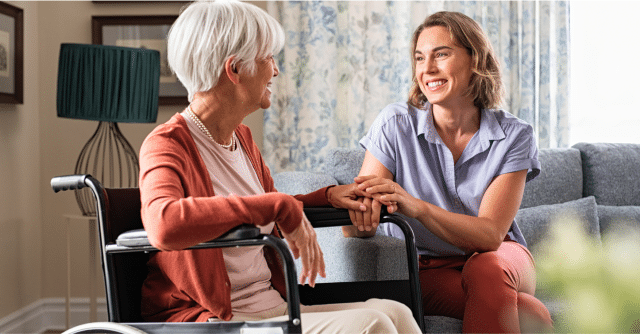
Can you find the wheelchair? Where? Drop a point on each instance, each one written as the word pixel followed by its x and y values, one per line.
pixel 125 250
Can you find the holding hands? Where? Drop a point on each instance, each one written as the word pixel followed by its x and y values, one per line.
pixel 377 192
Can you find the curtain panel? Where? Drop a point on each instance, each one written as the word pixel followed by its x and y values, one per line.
pixel 344 61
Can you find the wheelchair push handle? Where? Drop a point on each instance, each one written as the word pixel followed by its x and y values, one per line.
pixel 69 182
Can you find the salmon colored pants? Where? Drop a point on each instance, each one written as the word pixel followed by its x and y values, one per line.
pixel 490 292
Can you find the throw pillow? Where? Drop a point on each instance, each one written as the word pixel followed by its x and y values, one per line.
pixel 536 222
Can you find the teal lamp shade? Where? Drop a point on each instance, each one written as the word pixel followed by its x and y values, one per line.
pixel 109 84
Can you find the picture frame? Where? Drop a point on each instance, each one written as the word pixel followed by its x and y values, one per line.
pixel 143 31
pixel 11 54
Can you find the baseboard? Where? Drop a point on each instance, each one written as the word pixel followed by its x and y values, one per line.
pixel 49 313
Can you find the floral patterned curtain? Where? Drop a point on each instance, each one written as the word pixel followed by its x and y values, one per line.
pixel 344 61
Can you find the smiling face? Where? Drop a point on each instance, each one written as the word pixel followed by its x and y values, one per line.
pixel 443 68
pixel 269 70
pixel 259 85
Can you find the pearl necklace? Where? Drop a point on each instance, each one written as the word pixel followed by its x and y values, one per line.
pixel 204 129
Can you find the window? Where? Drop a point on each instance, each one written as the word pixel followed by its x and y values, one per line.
pixel 605 72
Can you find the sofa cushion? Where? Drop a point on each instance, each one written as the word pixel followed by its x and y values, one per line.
pixel 611 172
pixel 559 181
pixel 536 222
pixel 344 164
pixel 618 218
pixel 294 183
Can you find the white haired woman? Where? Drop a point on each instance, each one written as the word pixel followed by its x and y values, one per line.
pixel 202 174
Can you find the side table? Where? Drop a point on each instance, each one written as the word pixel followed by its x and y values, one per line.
pixel 92 266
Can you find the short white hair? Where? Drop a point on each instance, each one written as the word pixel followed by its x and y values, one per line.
pixel 208 33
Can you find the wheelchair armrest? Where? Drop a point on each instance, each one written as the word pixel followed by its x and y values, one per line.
pixel 138 237
pixel 330 216
pixel 318 216
pixel 133 238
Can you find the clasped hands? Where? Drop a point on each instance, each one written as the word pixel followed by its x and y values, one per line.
pixel 365 198
pixel 375 192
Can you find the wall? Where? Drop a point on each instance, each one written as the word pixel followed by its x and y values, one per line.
pixel 20 186
pixel 62 139
pixel 35 146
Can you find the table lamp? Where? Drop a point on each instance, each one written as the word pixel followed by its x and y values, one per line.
pixel 108 84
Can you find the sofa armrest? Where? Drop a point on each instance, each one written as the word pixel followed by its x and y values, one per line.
pixel 379 258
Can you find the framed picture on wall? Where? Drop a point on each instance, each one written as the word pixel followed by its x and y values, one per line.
pixel 142 32
pixel 11 54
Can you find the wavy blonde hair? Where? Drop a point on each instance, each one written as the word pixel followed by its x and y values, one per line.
pixel 486 81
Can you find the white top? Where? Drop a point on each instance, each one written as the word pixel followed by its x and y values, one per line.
pixel 231 172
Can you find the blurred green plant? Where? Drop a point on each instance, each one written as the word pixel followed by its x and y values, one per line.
pixel 597 283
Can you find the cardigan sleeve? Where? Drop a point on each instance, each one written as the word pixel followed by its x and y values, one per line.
pixel 179 208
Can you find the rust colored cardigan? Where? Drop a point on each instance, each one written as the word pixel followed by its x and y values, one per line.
pixel 180 209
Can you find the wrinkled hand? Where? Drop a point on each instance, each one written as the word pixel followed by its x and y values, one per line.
pixel 304 244
pixel 346 197
pixel 369 219
pixel 355 200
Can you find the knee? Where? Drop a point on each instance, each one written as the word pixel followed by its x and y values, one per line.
pixel 393 309
pixel 483 268
pixel 375 321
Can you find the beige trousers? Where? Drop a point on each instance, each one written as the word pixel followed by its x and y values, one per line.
pixel 371 316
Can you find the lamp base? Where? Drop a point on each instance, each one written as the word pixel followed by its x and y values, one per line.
pixel 108 157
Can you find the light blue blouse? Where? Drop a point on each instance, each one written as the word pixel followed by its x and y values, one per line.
pixel 405 141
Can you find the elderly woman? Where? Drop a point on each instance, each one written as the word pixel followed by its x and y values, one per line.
pixel 202 174
pixel 457 167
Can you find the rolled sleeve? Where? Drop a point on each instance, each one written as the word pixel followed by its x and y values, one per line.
pixel 523 154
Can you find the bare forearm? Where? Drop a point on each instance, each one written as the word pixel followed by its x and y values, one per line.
pixel 484 232
pixel 469 233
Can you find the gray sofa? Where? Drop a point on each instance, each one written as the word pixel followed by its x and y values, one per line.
pixel 599 183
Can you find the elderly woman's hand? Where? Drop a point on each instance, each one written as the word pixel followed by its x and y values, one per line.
pixel 304 244
pixel 346 197
pixel 389 193
pixel 364 213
